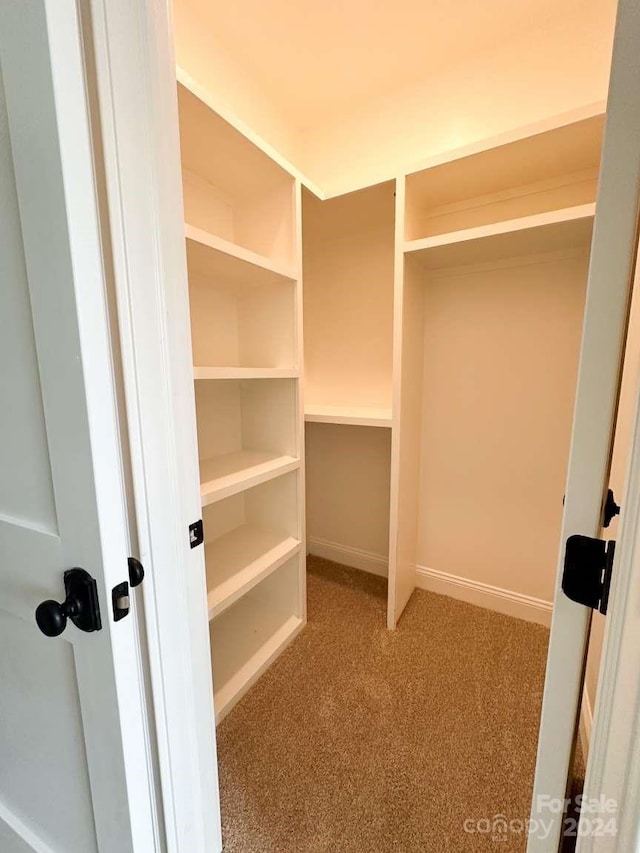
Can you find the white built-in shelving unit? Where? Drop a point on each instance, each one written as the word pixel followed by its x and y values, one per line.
pixel 383 267
pixel 418 292
pixel 242 233
pixel 348 255
pixel 492 249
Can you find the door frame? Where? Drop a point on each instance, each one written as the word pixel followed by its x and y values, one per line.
pixel 613 766
pixel 50 152
pixel 139 135
pixel 611 272
pixel 129 56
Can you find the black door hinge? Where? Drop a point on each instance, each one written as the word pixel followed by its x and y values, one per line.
pixel 196 533
pixel 588 564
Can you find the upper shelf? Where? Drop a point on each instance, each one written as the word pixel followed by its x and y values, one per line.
pixel 231 188
pixel 218 106
pixel 224 157
pixel 555 169
pixel 545 232
pixel 214 257
pixel 351 415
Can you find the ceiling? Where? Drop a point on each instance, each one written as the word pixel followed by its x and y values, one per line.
pixel 316 56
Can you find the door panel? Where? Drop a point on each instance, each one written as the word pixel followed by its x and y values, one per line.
pixel 39 676
pixel 611 269
pixel 37 757
pixel 26 490
pixel 72 748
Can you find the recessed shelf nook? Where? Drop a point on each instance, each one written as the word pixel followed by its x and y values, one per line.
pixel 547 171
pixel 232 189
pixel 248 536
pixel 242 314
pixel 251 633
pixel 348 256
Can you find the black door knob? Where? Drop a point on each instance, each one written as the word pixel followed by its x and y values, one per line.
pixel 80 605
pixel 51 616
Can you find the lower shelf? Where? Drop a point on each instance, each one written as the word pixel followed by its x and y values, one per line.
pixel 243 646
pixel 242 558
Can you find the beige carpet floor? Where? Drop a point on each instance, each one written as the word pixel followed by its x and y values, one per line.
pixel 360 740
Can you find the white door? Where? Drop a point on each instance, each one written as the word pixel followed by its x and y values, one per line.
pixel 73 770
pixel 610 275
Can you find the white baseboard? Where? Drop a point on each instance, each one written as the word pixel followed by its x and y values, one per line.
pixel 474 592
pixel 484 595
pixel 586 723
pixel 375 564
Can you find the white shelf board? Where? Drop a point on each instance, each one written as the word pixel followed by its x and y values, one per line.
pixel 239 560
pixel 245 373
pixel 544 232
pixel 240 654
pixel 228 474
pixel 352 415
pixel 561 146
pixel 218 258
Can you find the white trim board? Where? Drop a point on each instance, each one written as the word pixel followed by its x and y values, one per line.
pixel 139 152
pixel 495 598
pixel 375 564
pixel 473 592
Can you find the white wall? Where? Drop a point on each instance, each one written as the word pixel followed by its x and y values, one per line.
pixel 348 480
pixel 348 250
pixel 500 368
